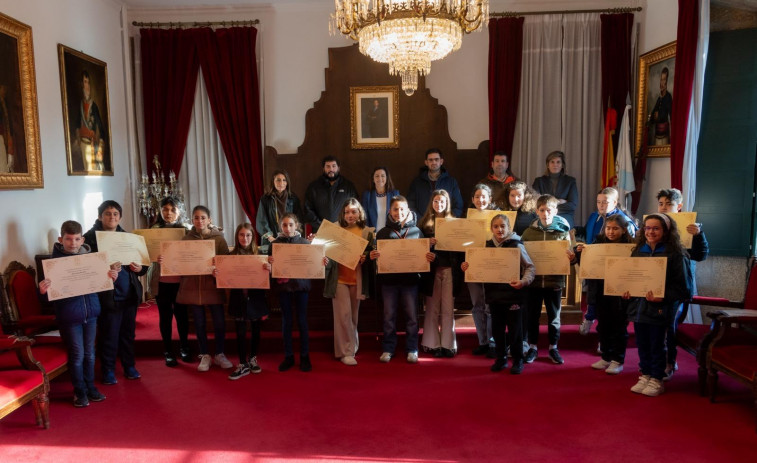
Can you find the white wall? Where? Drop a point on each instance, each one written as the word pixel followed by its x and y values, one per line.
pixel 32 219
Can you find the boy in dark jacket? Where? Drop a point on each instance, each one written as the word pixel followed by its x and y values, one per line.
pixel 77 320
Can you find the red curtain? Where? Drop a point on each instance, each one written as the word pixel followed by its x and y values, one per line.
pixel 616 63
pixel 683 82
pixel 169 78
pixel 227 58
pixel 505 54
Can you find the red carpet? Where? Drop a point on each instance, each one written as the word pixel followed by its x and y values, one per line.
pixel 441 410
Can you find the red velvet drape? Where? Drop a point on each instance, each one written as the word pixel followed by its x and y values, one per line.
pixel 683 82
pixel 227 58
pixel 505 55
pixel 616 63
pixel 169 78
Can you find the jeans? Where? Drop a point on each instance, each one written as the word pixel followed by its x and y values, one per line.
pixel 394 295
pixel 219 326
pixel 80 342
pixel 167 310
pixel 117 332
pixel 241 326
pixel 551 298
pixel 650 340
pixel 291 302
pixel 481 316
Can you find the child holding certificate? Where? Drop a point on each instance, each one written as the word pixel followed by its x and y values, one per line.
pixel 399 288
pixel 670 201
pixel 77 320
pixel 546 288
pixel 506 300
pixel 522 199
pixel 247 305
pixel 199 292
pixel 652 315
pixel 610 310
pixel 346 287
pixel 481 200
pixel 440 285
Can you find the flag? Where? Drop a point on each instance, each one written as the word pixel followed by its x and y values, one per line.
pixel 608 154
pixel 624 161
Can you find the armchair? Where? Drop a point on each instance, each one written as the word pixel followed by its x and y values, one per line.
pixel 25 307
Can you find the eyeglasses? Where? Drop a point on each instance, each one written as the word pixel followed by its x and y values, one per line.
pixel 652 229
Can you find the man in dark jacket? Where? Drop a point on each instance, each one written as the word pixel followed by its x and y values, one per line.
pixel 434 177
pixel 326 194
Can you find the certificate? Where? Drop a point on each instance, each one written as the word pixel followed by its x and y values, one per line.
pixel 403 256
pixel 298 261
pixel 593 258
pixel 154 236
pixel 488 215
pixel 460 234
pixel 122 247
pixel 341 245
pixel 492 265
pixel 242 272
pixel 190 257
pixel 683 220
pixel 77 275
pixel 637 275
pixel 549 257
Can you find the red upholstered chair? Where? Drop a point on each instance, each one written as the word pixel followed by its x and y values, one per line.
pixel 733 350
pixel 694 337
pixel 24 301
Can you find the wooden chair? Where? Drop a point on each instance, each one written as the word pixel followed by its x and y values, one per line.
pixel 733 350
pixel 22 379
pixel 26 313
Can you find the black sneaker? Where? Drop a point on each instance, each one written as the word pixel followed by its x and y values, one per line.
pixel 531 355
pixel 448 353
pixel 483 349
pixel 554 354
pixel 286 364
pixel 492 354
pixel 131 373
pixel 517 367
pixel 254 367
pixel 437 353
pixel 499 365
pixel 94 395
pixel 81 401
pixel 305 364
pixel 241 371
pixel 186 355
pixel 170 359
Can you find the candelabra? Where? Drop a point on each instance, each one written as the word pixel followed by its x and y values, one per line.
pixel 151 193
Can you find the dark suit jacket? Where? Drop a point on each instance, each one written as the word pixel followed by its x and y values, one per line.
pixel 369 205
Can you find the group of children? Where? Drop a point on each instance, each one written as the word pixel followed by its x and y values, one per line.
pixel 506 315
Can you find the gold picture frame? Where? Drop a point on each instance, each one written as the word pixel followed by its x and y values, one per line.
pixel 374 117
pixel 653 121
pixel 86 112
pixel 20 154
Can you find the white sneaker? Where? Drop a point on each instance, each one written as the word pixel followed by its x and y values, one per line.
pixel 654 388
pixel 614 368
pixel 222 361
pixel 349 360
pixel 412 357
pixel 641 385
pixel 385 357
pixel 600 364
pixel 205 362
pixel 585 327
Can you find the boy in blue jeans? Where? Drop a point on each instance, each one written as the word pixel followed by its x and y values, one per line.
pixel 77 320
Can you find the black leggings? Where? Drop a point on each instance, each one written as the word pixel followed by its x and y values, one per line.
pixel 167 310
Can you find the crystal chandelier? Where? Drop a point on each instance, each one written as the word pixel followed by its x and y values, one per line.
pixel 150 194
pixel 408 34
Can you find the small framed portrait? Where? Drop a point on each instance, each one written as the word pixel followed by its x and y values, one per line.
pixel 374 117
pixel 655 101
pixel 20 156
pixel 86 112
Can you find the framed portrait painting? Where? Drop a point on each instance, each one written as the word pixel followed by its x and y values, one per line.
pixel 655 101
pixel 374 117
pixel 20 156
pixel 86 112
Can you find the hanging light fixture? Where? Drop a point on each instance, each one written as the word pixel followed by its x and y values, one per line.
pixel 408 34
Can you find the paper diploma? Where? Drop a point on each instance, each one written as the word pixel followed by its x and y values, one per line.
pixel 403 256
pixel 549 257
pixel 637 275
pixel 341 245
pixel 77 275
pixel 593 258
pixel 298 261
pixel 460 234
pixel 242 272
pixel 188 257
pixel 122 247
pixel 154 236
pixel 492 265
pixel 488 215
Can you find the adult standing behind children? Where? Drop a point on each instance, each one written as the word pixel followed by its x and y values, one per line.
pixel 326 194
pixel 557 183
pixel 376 201
pixel 498 177
pixel 277 201
pixel 434 177
pixel 77 320
pixel 118 316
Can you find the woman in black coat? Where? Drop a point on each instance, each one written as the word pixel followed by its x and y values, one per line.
pixel 556 183
pixel 277 201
